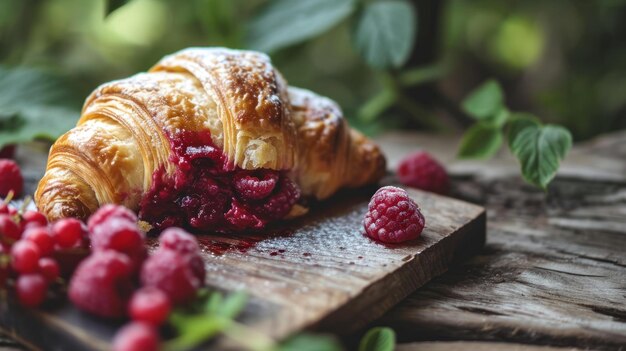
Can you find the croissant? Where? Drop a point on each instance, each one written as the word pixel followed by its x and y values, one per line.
pixel 209 139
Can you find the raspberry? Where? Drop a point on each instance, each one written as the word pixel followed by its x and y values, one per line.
pixel 173 273
pixel 42 238
pixel 149 305
pixel 35 218
pixel 196 264
pixel 49 268
pixel 25 257
pixel 107 212
pixel 255 187
pixel 8 228
pixel 392 216
pixel 241 218
pixel 136 336
pixel 205 213
pixel 10 178
pixel 179 240
pixel 31 289
pixel 120 235
pixel 422 171
pixel 280 203
pixel 68 232
pixel 102 284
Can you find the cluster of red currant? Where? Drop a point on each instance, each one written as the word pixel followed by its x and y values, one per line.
pixel 30 250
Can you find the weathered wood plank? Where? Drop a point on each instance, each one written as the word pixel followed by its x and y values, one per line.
pixel 475 346
pixel 554 268
pixel 317 272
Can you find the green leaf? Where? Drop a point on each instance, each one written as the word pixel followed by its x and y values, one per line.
pixel 114 5
pixel 233 304
pixel 33 105
pixel 384 33
pixel 485 101
pixel 287 22
pixel 518 122
pixel 482 140
pixel 213 302
pixel 378 339
pixel 540 151
pixel 196 329
pixel 499 118
pixel 310 342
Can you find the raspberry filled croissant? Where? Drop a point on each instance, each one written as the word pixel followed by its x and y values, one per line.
pixel 209 139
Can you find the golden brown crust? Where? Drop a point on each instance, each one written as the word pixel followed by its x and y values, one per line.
pixel 331 154
pixel 123 135
pixel 252 103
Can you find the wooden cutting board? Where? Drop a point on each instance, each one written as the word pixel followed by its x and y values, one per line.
pixel 318 272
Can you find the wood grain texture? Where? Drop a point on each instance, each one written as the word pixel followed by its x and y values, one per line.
pixel 553 271
pixel 318 272
pixel 476 346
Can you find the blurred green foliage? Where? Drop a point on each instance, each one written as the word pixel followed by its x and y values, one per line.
pixel 562 60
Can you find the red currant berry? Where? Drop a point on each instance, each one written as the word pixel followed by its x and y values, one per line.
pixel 35 217
pixel 136 336
pixel 68 232
pixel 25 257
pixel 49 268
pixel 42 238
pixel 8 228
pixel 149 305
pixel 31 289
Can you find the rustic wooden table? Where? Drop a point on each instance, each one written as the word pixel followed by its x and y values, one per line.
pixel 552 275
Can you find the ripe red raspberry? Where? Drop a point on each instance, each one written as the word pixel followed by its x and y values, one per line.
pixel 117 234
pixel 149 305
pixel 120 235
pixel 49 268
pixel 179 240
pixel 25 257
pixel 107 212
pixel 102 284
pixel 422 171
pixel 34 218
pixel 278 205
pixel 255 186
pixel 31 289
pixel 136 336
pixel 241 218
pixel 68 232
pixel 9 229
pixel 173 273
pixel 392 216
pixel 10 178
pixel 42 238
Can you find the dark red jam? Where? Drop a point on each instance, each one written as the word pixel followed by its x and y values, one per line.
pixel 208 193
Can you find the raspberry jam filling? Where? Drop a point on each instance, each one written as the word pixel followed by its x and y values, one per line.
pixel 207 193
